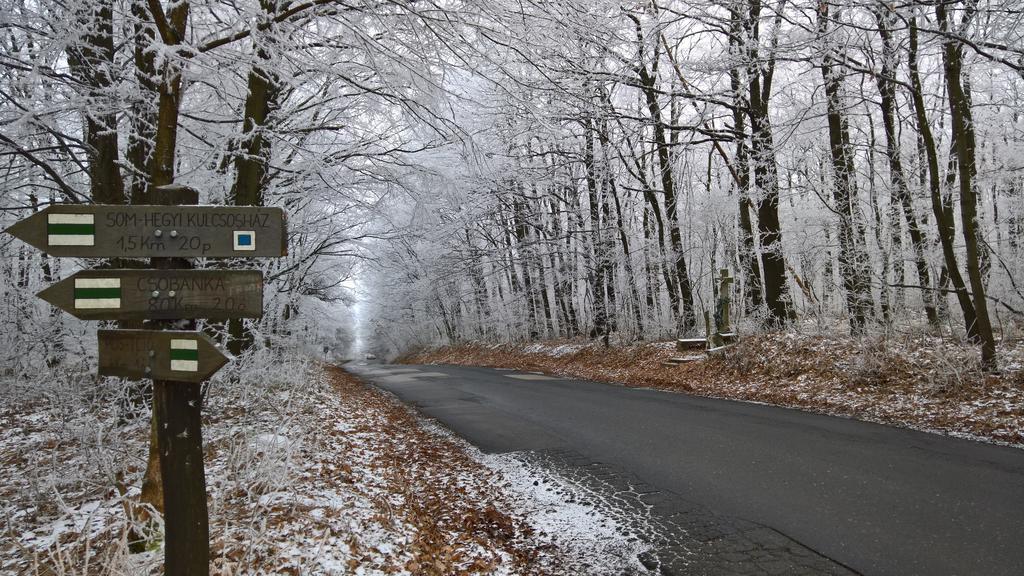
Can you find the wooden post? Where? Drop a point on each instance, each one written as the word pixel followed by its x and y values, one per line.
pixel 178 418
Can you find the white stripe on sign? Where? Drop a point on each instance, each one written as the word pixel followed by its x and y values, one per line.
pixel 70 218
pixel 97 282
pixel 71 240
pixel 185 344
pixel 86 303
pixel 185 365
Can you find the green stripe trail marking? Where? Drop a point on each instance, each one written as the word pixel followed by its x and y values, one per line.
pixel 97 293
pixel 180 354
pixel 70 230
pixel 184 355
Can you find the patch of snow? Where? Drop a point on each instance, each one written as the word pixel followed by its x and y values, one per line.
pixel 271 442
pixel 581 530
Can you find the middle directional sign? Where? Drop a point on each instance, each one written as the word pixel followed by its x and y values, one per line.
pixel 159 294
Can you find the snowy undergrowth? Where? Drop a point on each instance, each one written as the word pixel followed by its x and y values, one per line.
pixel 303 477
pixel 74 451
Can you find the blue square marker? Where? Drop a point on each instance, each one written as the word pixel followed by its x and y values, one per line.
pixel 245 240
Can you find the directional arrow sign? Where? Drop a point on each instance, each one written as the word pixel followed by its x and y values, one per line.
pixel 159 294
pixel 109 231
pixel 158 354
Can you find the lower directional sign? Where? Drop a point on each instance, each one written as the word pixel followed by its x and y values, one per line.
pixel 158 354
pixel 159 294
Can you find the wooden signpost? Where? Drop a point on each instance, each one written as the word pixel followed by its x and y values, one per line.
pixel 169 297
pixel 159 294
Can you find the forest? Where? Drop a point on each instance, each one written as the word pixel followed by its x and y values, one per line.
pixel 854 164
pixel 499 171
pixel 506 171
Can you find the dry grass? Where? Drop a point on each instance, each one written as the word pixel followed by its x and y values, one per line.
pixel 462 524
pixel 917 382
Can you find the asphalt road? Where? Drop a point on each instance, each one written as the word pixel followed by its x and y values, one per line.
pixel 880 500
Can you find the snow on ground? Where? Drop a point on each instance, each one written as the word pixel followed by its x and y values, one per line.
pixel 309 471
pixel 561 513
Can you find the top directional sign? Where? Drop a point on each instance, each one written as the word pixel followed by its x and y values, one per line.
pixel 110 231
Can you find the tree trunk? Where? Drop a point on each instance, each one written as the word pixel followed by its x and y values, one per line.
pixel 627 260
pixel 143 112
pixel 885 291
pixel 537 259
pixel 943 218
pixel 166 138
pixel 766 177
pixel 751 268
pixel 963 127
pixel 897 176
pixel 596 267
pixel 648 81
pixel 253 156
pixel 92 63
pixel 853 263
pixel 165 142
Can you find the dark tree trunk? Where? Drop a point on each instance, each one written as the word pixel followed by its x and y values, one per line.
pixel 627 258
pixel 853 261
pixel 92 63
pixel 943 218
pixel 537 260
pixel 648 81
pixel 751 268
pixel 562 280
pixel 766 177
pixel 252 158
pixel 963 128
pixel 162 166
pixel 651 294
pixel 143 111
pixel 596 266
pixel 520 224
pixel 897 175
pixel 166 138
